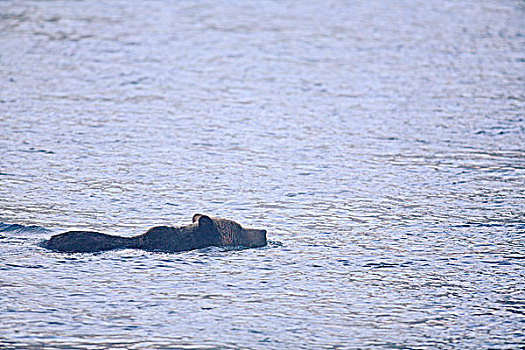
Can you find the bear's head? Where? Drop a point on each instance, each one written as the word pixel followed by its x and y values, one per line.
pixel 231 233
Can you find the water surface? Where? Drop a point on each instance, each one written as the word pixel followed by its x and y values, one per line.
pixel 382 145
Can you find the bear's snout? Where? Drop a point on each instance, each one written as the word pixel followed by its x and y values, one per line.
pixel 256 238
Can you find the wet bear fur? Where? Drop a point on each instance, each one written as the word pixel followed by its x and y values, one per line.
pixel 203 232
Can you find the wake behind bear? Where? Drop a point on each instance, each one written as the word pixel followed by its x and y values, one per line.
pixel 203 232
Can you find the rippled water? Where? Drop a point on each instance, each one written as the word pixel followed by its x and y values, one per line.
pixel 381 144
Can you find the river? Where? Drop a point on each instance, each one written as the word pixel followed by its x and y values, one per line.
pixel 380 143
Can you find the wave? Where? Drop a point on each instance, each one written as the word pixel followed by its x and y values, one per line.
pixel 17 228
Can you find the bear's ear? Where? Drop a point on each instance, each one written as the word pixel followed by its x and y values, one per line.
pixel 196 217
pixel 204 220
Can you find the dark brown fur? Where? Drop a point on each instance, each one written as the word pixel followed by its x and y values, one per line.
pixel 203 232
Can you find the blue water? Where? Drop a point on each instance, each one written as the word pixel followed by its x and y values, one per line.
pixel 381 144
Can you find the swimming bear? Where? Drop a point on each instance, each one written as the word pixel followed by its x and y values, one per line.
pixel 203 232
